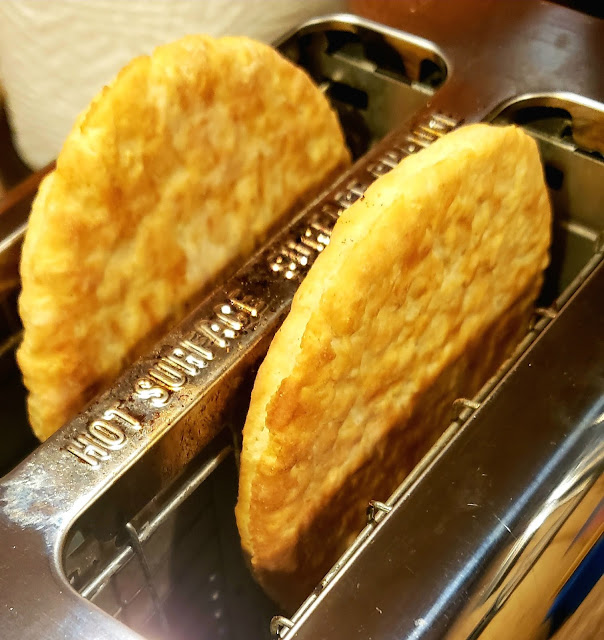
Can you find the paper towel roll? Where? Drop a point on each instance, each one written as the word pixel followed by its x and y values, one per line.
pixel 56 55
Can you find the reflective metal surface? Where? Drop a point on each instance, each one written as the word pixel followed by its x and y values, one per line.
pixel 516 473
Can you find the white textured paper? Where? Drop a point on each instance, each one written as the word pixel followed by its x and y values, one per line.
pixel 55 55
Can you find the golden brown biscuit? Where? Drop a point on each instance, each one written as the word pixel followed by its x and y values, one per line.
pixel 176 168
pixel 427 284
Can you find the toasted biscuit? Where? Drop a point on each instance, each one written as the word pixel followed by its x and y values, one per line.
pixel 426 286
pixel 175 169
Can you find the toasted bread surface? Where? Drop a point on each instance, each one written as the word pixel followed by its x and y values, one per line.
pixel 426 286
pixel 176 169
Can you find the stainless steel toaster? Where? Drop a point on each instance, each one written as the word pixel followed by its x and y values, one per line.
pixel 497 533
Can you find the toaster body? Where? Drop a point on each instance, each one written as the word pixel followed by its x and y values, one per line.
pixel 497 533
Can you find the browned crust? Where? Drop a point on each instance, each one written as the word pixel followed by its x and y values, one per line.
pixel 175 169
pixel 426 286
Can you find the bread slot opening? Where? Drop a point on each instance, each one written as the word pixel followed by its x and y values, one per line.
pixel 174 567
pixel 566 130
pixel 375 78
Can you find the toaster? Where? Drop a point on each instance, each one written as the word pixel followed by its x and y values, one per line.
pixel 121 525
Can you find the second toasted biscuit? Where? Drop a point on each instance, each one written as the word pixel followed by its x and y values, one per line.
pixel 426 286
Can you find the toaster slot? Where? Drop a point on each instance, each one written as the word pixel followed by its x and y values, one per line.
pixel 374 77
pixel 571 148
pixel 175 567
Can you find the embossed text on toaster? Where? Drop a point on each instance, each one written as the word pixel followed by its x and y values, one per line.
pixel 193 354
pixel 107 434
pixel 293 257
pixel 168 374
